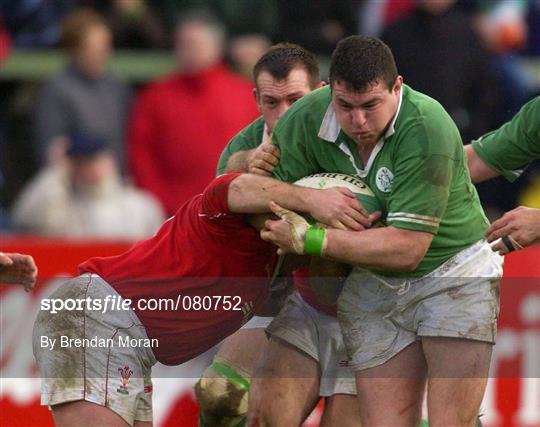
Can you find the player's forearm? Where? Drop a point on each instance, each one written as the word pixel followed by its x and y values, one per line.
pixel 251 193
pixel 478 170
pixel 386 248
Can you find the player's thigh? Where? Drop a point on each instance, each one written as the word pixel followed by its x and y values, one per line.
pixel 243 349
pixel 391 393
pixel 116 377
pixel 341 410
pixel 86 414
pixel 458 370
pixel 284 388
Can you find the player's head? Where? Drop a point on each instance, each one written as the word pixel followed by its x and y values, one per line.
pixel 365 87
pixel 283 75
pixel 199 41
pixel 88 40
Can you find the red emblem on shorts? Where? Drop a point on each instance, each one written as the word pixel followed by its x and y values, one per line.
pixel 343 363
pixel 148 388
pixel 125 373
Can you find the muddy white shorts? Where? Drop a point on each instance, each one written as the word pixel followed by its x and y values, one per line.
pixel 257 322
pixel 319 336
pixel 94 356
pixel 380 316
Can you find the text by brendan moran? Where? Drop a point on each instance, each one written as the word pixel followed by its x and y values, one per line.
pixel 65 341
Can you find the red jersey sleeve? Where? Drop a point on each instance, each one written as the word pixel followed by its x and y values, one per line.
pixel 214 205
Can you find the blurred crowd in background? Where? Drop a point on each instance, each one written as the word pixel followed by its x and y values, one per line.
pixel 84 153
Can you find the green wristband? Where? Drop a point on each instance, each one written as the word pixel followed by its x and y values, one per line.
pixel 227 372
pixel 314 241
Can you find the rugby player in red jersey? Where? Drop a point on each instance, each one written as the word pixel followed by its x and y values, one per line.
pixel 97 337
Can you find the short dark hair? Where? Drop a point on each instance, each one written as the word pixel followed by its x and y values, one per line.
pixel 280 60
pixel 361 61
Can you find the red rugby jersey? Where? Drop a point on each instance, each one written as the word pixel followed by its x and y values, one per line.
pixel 203 251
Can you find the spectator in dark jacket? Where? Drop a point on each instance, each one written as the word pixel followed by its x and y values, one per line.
pixel 83 96
pixel 317 25
pixel 438 53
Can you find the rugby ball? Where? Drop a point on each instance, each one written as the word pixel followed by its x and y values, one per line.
pixel 331 180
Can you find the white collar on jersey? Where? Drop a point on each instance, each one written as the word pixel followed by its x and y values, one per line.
pixel 330 128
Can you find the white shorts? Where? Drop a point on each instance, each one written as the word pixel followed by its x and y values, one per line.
pixel 459 299
pixel 257 322
pixel 116 377
pixel 318 335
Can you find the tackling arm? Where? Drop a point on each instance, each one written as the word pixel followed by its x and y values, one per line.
pixel 337 207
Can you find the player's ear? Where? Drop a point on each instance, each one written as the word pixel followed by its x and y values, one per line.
pixel 257 98
pixel 320 84
pixel 397 84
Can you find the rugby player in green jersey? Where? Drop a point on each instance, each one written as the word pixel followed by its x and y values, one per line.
pixel 508 151
pixel 422 303
pixel 282 75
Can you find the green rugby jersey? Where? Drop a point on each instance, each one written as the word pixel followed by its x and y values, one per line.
pixel 511 148
pixel 418 170
pixel 248 138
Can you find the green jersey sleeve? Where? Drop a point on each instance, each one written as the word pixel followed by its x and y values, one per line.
pixel 423 173
pixel 511 148
pixel 247 139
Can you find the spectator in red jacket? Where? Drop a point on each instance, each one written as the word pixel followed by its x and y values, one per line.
pixel 181 123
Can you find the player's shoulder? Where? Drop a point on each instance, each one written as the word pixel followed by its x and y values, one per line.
pixel 524 128
pixel 424 121
pixel 531 109
pixel 419 109
pixel 253 131
pixel 419 105
pixel 310 109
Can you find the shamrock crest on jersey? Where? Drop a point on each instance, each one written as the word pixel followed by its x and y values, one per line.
pixel 384 179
